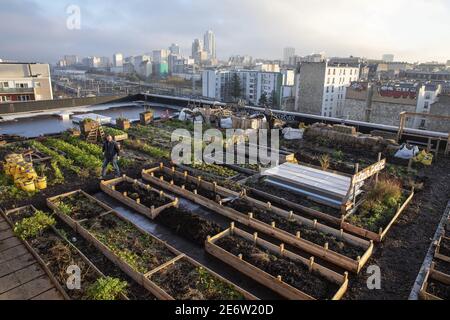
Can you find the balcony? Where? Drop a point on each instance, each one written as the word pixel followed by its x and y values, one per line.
pixel 16 90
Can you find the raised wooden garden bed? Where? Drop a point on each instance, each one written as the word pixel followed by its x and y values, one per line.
pixel 300 274
pixel 332 220
pixel 215 198
pixel 443 249
pixel 134 251
pixel 141 197
pixel 55 254
pixel 77 206
pixel 436 285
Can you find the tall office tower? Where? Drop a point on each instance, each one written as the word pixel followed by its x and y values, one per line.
pixel 210 44
pixel 288 53
pixel 175 49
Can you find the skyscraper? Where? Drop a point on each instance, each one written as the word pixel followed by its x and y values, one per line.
pixel 175 49
pixel 287 54
pixel 210 44
pixel 388 57
pixel 118 60
pixel 197 48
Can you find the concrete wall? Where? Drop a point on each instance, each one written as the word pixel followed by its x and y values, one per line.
pixel 32 106
pixel 442 108
pixel 382 112
pixel 309 89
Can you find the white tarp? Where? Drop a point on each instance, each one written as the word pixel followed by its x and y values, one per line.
pixel 407 152
pixel 293 134
pixel 226 123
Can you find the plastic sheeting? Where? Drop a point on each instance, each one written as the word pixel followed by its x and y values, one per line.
pixel 293 134
pixel 407 152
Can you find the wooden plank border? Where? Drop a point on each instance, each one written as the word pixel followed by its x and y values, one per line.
pixel 434 275
pixel 248 220
pixel 109 188
pixel 274 283
pixel 140 278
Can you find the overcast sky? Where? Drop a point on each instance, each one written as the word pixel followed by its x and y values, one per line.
pixel 413 30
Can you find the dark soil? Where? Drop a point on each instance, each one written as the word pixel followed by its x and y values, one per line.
pixel 444 247
pixel 261 185
pixel 293 273
pixel 442 266
pixel 439 289
pixel 185 281
pixel 148 198
pixel 134 290
pixel 140 250
pixel 306 232
pixel 401 254
pixel 188 225
pixel 82 207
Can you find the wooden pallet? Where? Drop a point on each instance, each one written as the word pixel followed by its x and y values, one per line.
pixel 248 219
pixel 143 279
pixel 274 283
pixel 109 188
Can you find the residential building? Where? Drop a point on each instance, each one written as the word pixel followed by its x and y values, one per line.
pixel 383 102
pixel 71 60
pixel 209 42
pixel 217 84
pixel 160 69
pixel 388 57
pixel 267 67
pixel 118 60
pixel 321 87
pixel 197 50
pixel 160 56
pixel 288 53
pixel 145 68
pixel 25 82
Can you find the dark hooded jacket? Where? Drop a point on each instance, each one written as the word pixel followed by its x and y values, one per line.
pixel 111 149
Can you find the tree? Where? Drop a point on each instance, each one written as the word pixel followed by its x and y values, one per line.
pixel 236 88
pixel 273 101
pixel 263 99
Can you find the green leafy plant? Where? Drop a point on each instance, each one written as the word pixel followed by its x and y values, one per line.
pixel 209 283
pixel 106 289
pixel 64 208
pixel 61 160
pixel 113 131
pixel 338 155
pixel 58 175
pixel 33 226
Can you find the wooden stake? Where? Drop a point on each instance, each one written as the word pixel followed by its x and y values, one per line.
pixel 326 246
pixel 311 264
pixel 255 237
pixel 282 249
pixel 250 215
pixel 273 224
pixel 138 201
pixel 298 234
pixel 232 228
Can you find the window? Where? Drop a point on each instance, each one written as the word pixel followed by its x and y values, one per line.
pixel 5 85
pixel 426 105
pixel 422 123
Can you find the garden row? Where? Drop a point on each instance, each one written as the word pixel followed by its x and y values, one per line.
pixel 57 256
pixel 436 285
pixel 316 281
pixel 158 267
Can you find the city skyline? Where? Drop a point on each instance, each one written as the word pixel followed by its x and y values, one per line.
pixel 367 31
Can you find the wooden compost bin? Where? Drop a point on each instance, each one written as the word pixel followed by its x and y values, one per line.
pixel 43 264
pixel 140 278
pixel 341 223
pixel 109 188
pixel 274 283
pixel 248 220
pixel 434 275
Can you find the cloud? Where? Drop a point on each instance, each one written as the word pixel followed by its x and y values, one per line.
pixel 412 30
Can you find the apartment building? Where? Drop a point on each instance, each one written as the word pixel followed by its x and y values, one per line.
pixel 383 102
pixel 217 84
pixel 321 87
pixel 25 82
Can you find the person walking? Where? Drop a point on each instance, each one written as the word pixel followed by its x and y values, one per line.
pixel 111 151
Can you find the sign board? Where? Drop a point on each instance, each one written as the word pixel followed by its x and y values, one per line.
pixel 369 171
